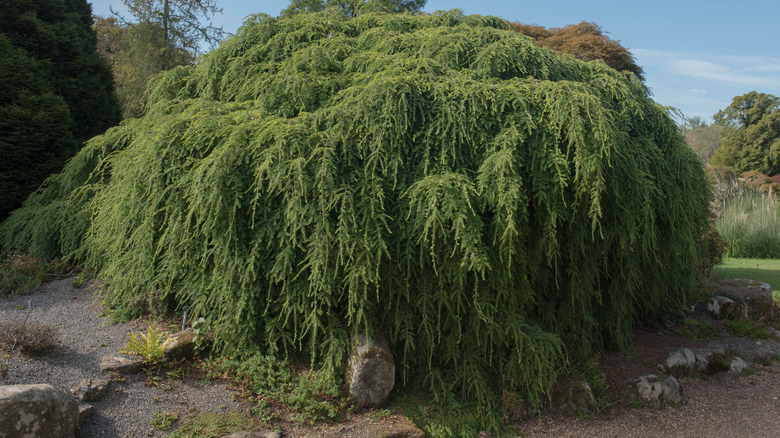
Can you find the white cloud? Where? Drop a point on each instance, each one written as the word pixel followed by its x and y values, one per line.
pixel 697 91
pixel 759 72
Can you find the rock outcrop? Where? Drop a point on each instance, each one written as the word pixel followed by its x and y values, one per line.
pixel 370 373
pixel 37 411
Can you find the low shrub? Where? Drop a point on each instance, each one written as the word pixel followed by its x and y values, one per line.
pixel 30 337
pixel 213 425
pixel 20 274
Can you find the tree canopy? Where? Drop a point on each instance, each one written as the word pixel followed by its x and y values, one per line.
pixel 495 209
pixel 353 8
pixel 55 91
pixel 585 41
pixel 751 134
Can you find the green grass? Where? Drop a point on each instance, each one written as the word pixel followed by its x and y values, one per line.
pixel 766 270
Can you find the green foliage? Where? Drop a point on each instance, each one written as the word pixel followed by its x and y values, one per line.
pixel 747 328
pixel 751 134
pixel 312 395
pixel 151 346
pixel 55 92
pixel 353 8
pixel 20 274
pixel 214 425
pixel 487 204
pixel 163 420
pixel 750 222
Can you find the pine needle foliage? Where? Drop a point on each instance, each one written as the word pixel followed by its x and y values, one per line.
pixel 494 208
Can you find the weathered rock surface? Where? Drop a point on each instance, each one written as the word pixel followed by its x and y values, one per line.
pixel 182 347
pixel 575 398
pixel 725 308
pixel 656 392
pixel 32 411
pixel 252 435
pixel 756 296
pixel 680 363
pixel 121 364
pixel 710 360
pixel 396 427
pixel 89 390
pixel 371 372
pixel 737 366
pixel 85 411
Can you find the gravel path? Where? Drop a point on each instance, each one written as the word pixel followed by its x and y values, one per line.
pixel 83 338
pixel 748 407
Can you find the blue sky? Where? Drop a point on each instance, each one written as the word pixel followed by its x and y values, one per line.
pixel 697 55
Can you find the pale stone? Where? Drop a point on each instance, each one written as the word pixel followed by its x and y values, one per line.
pixel 725 308
pixel 737 366
pixel 371 372
pixel 121 365
pixel 91 389
pixel 182 346
pixel 37 411
pixel 656 392
pixel 680 363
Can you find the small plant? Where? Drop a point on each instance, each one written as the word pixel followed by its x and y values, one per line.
pixel 32 337
pixel 163 420
pixel 696 329
pixel 151 346
pixel 634 404
pixel 200 336
pixel 747 328
pixel 213 425
pixel 20 274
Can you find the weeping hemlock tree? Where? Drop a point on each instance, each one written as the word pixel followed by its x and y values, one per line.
pixel 492 207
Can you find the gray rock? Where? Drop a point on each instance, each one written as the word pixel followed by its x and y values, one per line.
pixel 253 435
pixel 89 390
pixel 121 364
pixel 710 360
pixel 85 411
pixel 371 372
pixel 656 392
pixel 725 308
pixel 575 398
pixel 737 366
pixel 182 346
pixel 33 411
pixel 755 295
pixel 680 363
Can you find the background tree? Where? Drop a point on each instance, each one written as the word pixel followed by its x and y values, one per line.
pixel 585 41
pixel 133 51
pixel 751 134
pixel 704 140
pixel 55 91
pixel 183 24
pixel 353 8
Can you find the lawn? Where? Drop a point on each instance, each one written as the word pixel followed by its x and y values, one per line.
pixel 766 270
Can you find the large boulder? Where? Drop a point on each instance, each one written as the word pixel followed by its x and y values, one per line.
pixel 574 398
pixel 89 390
pixel 680 363
pixel 755 295
pixel 32 411
pixel 371 372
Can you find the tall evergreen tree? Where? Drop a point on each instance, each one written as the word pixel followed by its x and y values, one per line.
pixel 56 91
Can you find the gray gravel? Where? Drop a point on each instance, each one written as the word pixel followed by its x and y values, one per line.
pixel 83 338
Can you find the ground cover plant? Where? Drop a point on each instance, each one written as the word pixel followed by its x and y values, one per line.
pixel 498 211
